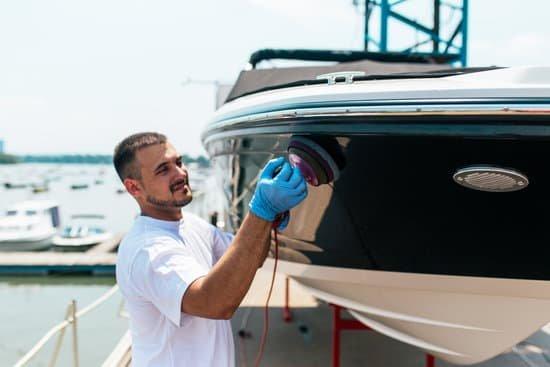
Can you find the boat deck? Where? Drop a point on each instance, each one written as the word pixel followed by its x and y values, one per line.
pixel 99 260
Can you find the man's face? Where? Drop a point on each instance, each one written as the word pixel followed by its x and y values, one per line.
pixel 164 178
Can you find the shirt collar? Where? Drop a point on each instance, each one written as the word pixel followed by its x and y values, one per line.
pixel 173 225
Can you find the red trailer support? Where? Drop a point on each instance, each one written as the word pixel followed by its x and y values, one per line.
pixel 287 315
pixel 339 324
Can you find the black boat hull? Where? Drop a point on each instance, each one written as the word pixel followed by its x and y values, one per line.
pixel 396 206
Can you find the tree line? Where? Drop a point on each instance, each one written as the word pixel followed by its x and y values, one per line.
pixel 202 161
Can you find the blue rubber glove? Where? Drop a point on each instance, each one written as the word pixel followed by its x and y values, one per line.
pixel 275 195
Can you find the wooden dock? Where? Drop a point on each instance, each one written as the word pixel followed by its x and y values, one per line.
pixel 99 260
pixel 107 246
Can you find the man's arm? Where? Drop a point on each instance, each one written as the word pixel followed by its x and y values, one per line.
pixel 218 294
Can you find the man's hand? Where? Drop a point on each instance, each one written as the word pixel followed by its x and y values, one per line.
pixel 277 193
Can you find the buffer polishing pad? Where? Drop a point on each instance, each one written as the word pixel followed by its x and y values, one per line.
pixel 314 162
pixel 312 171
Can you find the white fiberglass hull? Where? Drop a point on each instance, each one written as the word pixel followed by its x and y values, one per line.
pixel 80 243
pixel 460 319
pixel 35 243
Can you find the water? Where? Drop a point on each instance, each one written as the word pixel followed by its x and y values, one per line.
pixel 30 306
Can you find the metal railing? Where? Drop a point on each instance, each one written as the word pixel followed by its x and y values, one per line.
pixel 71 317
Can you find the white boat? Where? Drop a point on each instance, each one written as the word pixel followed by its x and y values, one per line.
pixel 29 226
pixel 435 229
pixel 83 232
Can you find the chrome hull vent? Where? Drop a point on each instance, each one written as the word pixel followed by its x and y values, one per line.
pixel 491 179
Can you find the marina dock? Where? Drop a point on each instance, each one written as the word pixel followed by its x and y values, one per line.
pixel 99 260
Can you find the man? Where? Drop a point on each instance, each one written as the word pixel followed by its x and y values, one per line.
pixel 181 277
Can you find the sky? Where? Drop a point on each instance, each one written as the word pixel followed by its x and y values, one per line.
pixel 79 76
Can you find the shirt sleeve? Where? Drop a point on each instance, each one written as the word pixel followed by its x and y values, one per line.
pixel 162 272
pixel 222 241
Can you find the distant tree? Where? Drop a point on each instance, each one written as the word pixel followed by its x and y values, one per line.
pixel 187 159
pixel 92 159
pixel 8 159
pixel 69 158
pixel 203 161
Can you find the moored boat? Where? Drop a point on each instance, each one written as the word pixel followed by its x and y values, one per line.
pixel 79 186
pixel 17 185
pixel 29 226
pixel 81 233
pixel 433 231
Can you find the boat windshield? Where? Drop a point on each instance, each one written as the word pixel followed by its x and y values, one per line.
pixel 14 212
pixel 81 231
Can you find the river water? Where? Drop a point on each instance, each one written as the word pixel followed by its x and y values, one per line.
pixel 30 306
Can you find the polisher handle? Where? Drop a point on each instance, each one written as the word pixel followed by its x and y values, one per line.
pixel 281 217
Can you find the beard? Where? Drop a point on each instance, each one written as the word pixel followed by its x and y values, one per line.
pixel 168 203
pixel 172 203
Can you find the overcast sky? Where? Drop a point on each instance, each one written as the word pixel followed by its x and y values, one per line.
pixel 78 76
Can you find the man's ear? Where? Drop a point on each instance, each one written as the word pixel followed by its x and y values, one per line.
pixel 132 186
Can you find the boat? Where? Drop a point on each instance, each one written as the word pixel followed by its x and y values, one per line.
pixel 83 232
pixel 17 185
pixel 29 226
pixel 432 228
pixel 38 188
pixel 79 186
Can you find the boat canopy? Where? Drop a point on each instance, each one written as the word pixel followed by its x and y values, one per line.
pixel 87 216
pixel 255 80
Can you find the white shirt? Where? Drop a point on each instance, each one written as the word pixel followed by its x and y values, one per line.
pixel 157 260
